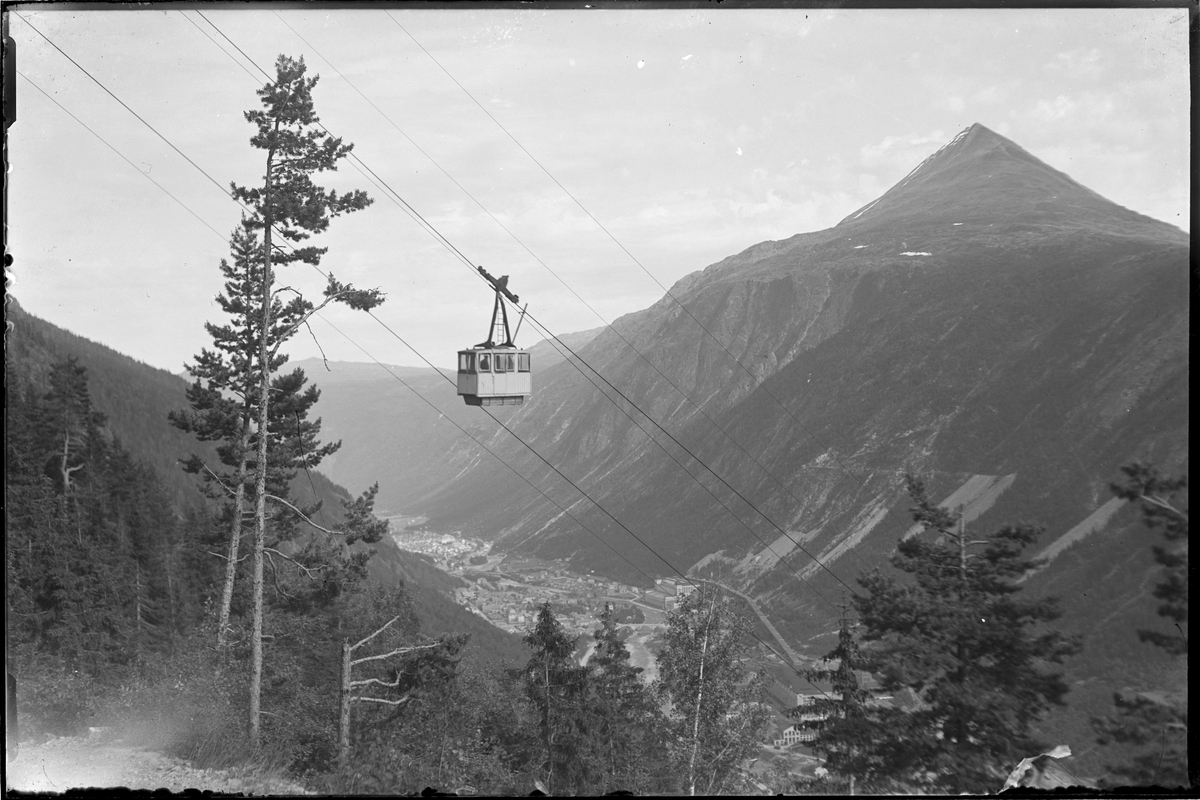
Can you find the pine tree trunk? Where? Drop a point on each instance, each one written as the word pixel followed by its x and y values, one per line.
pixel 549 733
pixel 344 708
pixel 235 536
pixel 171 600
pixel 137 639
pixel 959 733
pixel 260 485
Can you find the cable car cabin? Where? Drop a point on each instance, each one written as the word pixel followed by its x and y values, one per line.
pixel 496 373
pixel 494 376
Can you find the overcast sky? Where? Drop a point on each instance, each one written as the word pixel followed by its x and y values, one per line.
pixel 689 135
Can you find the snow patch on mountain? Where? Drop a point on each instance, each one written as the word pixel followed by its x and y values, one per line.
pixel 977 494
pixel 1091 524
pixel 863 523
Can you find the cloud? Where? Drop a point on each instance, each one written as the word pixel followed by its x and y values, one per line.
pixel 1079 64
pixel 994 94
pixel 895 151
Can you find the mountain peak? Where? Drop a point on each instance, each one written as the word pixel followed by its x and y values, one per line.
pixel 980 176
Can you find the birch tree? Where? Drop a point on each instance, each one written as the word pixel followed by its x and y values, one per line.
pixel 716 714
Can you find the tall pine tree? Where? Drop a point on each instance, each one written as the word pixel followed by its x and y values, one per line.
pixel 557 687
pixel 287 202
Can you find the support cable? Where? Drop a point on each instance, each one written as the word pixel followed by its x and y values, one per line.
pixel 627 252
pixel 565 511
pixel 555 469
pixel 123 157
pixel 467 262
pixel 396 197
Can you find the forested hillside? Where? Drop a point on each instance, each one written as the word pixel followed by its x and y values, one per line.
pixel 114 567
pixel 110 597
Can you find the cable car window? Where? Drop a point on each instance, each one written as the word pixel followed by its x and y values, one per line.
pixel 504 362
pixel 466 362
pixel 485 362
pixel 522 362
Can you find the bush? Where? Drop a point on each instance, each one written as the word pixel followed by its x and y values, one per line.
pixel 54 700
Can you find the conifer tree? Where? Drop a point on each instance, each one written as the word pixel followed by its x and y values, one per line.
pixel 224 401
pixel 69 423
pixel 287 202
pixel 557 687
pixel 974 652
pixel 627 728
pixel 89 536
pixel 223 397
pixel 846 719
pixel 1156 495
pixel 1152 725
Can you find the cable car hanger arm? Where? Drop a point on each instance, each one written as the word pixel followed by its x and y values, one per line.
pixel 500 285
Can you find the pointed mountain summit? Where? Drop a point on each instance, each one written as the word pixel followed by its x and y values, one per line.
pixel 980 177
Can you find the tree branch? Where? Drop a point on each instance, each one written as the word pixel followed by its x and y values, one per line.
pixel 318 344
pixel 398 651
pixel 376 633
pixel 307 570
pixel 401 701
pixel 218 555
pixel 283 337
pixel 217 478
pixel 303 515
pixel 366 681
pixel 275 576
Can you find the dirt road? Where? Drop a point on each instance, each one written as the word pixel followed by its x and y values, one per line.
pixel 99 761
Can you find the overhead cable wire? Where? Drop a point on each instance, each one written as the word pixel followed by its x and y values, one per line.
pixel 497 456
pixel 442 238
pixel 361 166
pixel 125 106
pixel 565 511
pixel 137 116
pixel 467 261
pixel 125 158
pixel 634 258
pixel 664 449
pixel 782 558
pixel 214 41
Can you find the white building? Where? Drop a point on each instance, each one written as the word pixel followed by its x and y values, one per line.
pixel 794 735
